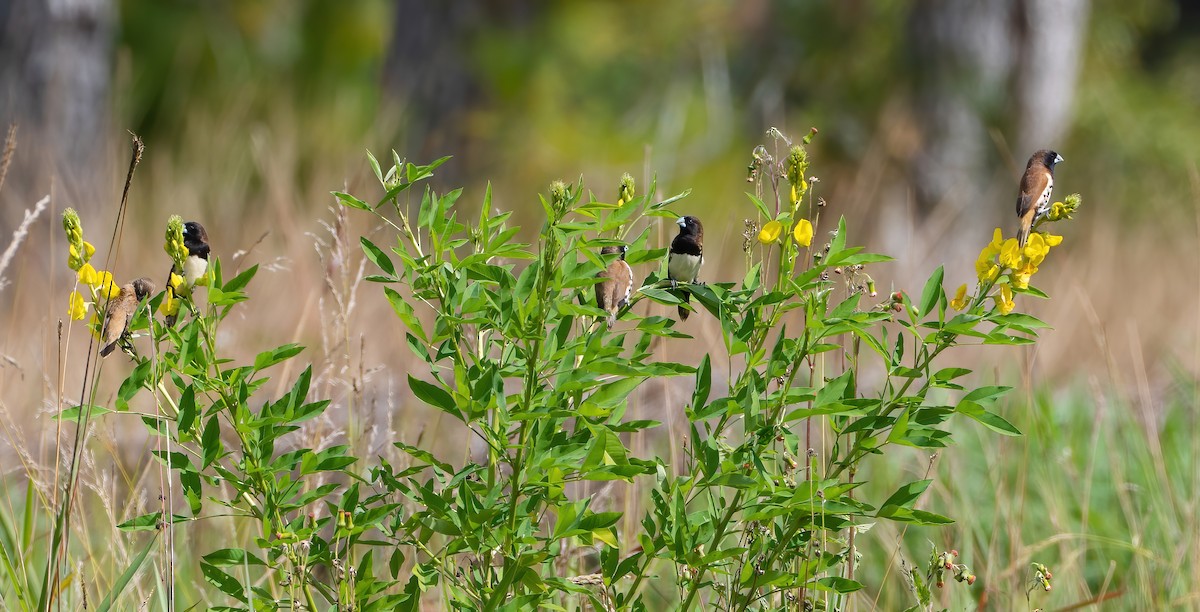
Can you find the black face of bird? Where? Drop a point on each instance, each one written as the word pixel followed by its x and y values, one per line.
pixel 194 233
pixel 689 225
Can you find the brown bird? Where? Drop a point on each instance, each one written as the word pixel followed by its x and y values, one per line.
pixel 614 291
pixel 120 312
pixel 1036 186
pixel 685 257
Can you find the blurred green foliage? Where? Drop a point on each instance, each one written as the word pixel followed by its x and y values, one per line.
pixel 614 82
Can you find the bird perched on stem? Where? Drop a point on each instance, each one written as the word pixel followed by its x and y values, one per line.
pixel 685 257
pixel 195 264
pixel 614 291
pixel 1037 184
pixel 120 313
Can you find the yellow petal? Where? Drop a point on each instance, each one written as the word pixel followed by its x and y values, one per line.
pixel 960 298
pixel 169 305
pixel 1052 240
pixel 1010 254
pixel 997 238
pixel 87 275
pixel 803 232
pixel 770 232
pixel 1004 300
pixel 76 307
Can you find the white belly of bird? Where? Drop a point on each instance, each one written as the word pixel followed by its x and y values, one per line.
pixel 684 268
pixel 193 269
pixel 1043 205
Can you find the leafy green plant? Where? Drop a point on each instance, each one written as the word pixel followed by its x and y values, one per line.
pixel 760 514
pixel 761 510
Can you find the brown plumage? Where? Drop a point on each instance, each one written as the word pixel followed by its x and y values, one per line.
pixel 1037 185
pixel 614 291
pixel 686 256
pixel 120 312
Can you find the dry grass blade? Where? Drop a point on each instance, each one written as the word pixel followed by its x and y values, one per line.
pixel 22 231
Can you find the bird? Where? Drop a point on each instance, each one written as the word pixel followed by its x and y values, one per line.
pixel 686 256
pixel 614 291
pixel 195 265
pixel 1036 186
pixel 120 312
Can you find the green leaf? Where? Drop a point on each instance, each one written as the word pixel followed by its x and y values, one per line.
pixel 71 415
pixel 761 206
pixel 226 583
pixel 933 294
pixel 210 441
pixel 985 394
pixel 240 281
pixel 350 201
pixel 232 556
pixel 990 420
pixel 269 358
pixel 405 313
pixel 145 522
pixel 908 494
pixel 433 395
pixel 703 384
pixel 377 256
pixel 837 584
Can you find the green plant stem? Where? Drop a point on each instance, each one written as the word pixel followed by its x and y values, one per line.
pixel 718 535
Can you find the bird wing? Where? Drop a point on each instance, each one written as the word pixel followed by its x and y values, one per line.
pixel 1033 189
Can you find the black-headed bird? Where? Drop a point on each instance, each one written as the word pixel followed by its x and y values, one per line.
pixel 195 265
pixel 1037 184
pixel 685 257
pixel 120 312
pixel 614 291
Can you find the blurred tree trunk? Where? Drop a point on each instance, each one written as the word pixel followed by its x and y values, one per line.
pixel 984 63
pixel 55 72
pixel 429 71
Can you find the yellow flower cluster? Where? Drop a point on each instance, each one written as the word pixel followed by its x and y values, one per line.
pixel 178 252
pixel 79 253
pixel 1006 254
pixel 773 231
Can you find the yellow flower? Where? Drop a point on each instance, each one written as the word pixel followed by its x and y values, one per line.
pixel 1010 254
pixel 176 281
pixel 170 304
pixel 803 232
pixel 1004 299
pixel 960 298
pixel 104 285
pixel 1021 276
pixel 87 275
pixel 1051 239
pixel 985 268
pixel 76 307
pixel 795 195
pixel 770 232
pixel 1035 249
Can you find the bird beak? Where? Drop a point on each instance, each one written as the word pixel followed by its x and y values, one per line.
pixel 680 222
pixel 1058 159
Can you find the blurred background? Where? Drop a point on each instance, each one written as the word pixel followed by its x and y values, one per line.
pixel 253 111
